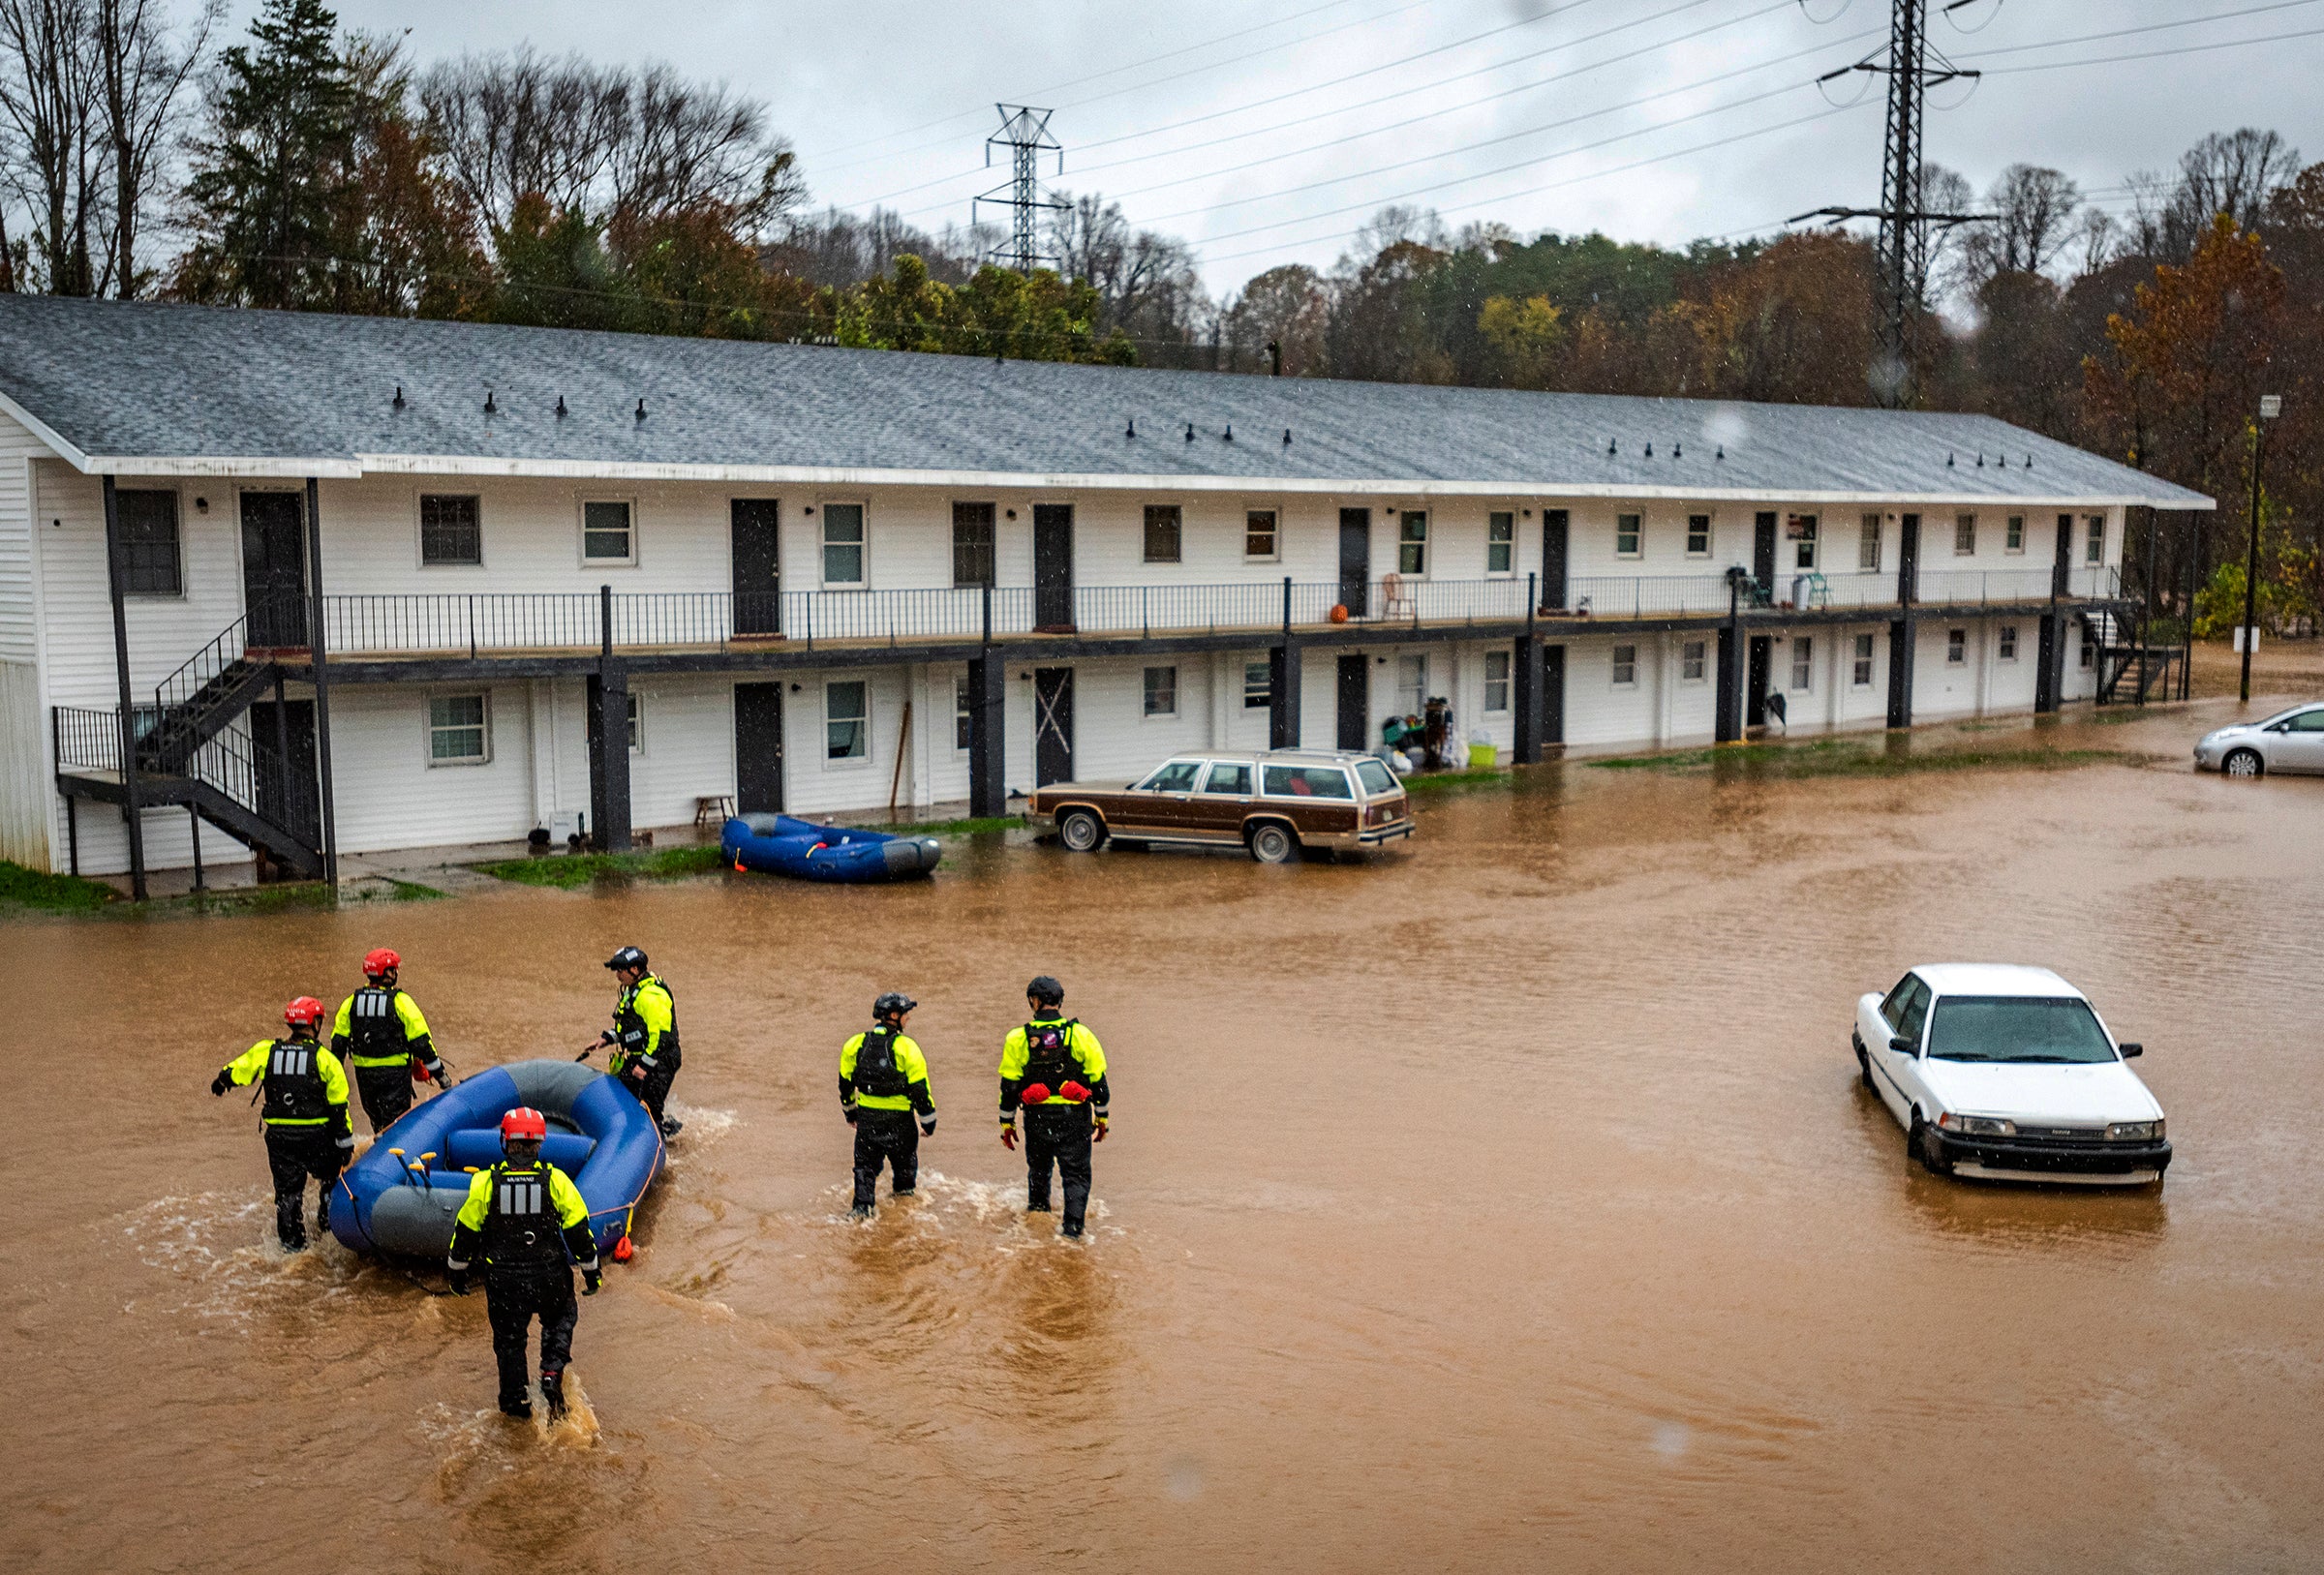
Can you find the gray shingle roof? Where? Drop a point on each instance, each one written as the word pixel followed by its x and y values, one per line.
pixel 188 384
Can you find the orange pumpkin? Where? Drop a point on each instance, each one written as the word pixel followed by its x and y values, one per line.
pixel 1339 613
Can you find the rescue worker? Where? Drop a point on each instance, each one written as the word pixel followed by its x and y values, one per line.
pixel 308 1132
pixel 526 1215
pixel 1053 1067
pixel 383 1037
pixel 885 1096
pixel 644 1034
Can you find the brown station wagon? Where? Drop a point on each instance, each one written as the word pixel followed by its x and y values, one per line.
pixel 1272 803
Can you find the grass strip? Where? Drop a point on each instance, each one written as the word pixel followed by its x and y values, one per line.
pixel 954 828
pixel 570 872
pixel 23 888
pixel 1836 757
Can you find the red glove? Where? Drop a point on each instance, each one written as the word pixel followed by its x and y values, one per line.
pixel 1099 1135
pixel 1074 1092
pixel 1035 1094
pixel 419 1074
pixel 1008 1138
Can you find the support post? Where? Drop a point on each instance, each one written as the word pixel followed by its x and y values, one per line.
pixel 2259 438
pixel 322 684
pixel 1727 704
pixel 2146 626
pixel 1904 629
pixel 1525 664
pixel 609 753
pixel 194 820
pixel 1283 684
pixel 988 733
pixel 117 574
pixel 2049 683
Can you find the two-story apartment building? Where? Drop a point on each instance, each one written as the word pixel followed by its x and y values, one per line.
pixel 334 583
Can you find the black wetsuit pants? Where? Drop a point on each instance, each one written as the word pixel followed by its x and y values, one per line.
pixel 893 1135
pixel 387 1091
pixel 513 1300
pixel 1058 1134
pixel 294 1155
pixel 652 1088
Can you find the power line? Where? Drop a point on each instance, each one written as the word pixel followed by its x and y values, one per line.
pixel 2155 54
pixel 2149 27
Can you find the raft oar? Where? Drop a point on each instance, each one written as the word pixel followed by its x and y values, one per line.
pixel 426 1180
pixel 399 1164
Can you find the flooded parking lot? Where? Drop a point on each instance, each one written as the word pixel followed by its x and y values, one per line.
pixel 1510 1202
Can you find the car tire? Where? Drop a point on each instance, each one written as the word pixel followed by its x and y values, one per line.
pixel 1271 843
pixel 2243 763
pixel 1864 1071
pixel 1921 1144
pixel 1080 831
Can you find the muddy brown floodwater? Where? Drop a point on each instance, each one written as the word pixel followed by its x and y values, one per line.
pixel 1508 1204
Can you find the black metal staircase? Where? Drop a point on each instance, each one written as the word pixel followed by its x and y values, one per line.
pixel 2131 671
pixel 187 751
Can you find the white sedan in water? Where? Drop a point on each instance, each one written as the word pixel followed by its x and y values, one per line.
pixel 2005 1072
pixel 2291 741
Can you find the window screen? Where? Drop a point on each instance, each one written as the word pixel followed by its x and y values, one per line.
pixel 449 533
pixel 149 543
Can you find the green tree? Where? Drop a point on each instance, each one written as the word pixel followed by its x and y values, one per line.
pixel 553 271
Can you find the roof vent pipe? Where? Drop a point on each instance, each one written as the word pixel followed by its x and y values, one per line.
pixel 1609 445
pixel 399 396
pixel 1286 437
pixel 1649 455
pixel 1980 459
pixel 1949 462
pixel 1190 432
pixel 1230 435
pixel 1722 453
pixel 1678 451
pixel 641 409
pixel 490 408
pixel 1131 430
pixel 561 406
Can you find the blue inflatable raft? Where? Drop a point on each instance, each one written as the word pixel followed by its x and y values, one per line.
pixel 779 845
pixel 598 1134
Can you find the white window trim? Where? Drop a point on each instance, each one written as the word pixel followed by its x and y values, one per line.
pixel 427 728
pixel 638 729
pixel 1800 664
pixel 1710 536
pixel 865 547
pixel 1177 563
pixel 581 529
pixel 2023 521
pixel 1248 510
pixel 2105 533
pixel 1427 541
pixel 1511 572
pixel 1508 681
pixel 1640 552
pixel 824 718
pixel 2007 650
pixel 1613 668
pixel 1244 695
pixel 1709 661
pixel 1951 645
pixel 959 750
pixel 419 549
pixel 1870 661
pixel 1170 716
pixel 1879 540
pixel 1969 550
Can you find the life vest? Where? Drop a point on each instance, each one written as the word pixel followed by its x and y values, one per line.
pixel 1049 1057
pixel 629 1024
pixel 374 1029
pixel 875 1070
pixel 521 1231
pixel 294 1092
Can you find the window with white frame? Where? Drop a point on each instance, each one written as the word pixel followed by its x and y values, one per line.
pixel 1500 542
pixel 451 534
pixel 458 730
pixel 847 719
pixel 2014 533
pixel 608 530
pixel 1257 685
pixel 1412 542
pixel 1956 648
pixel 843 544
pixel 1803 662
pixel 1161 691
pixel 1163 527
pixel 635 712
pixel 1625 666
pixel 963 721
pixel 972 544
pixel 1868 544
pixel 1693 660
pixel 1802 530
pixel 1628 537
pixel 1699 536
pixel 2094 550
pixel 1861 677
pixel 1262 540
pixel 2006 641
pixel 1412 685
pixel 1496 680
pixel 150 561
pixel 1965 535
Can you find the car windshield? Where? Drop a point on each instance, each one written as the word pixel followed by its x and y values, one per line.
pixel 2279 717
pixel 2016 1028
pixel 1374 777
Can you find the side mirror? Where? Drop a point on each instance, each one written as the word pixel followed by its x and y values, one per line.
pixel 1901 1044
pixel 2130 1050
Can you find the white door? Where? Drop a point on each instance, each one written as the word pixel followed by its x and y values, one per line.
pixel 1896 1073
pixel 2299 746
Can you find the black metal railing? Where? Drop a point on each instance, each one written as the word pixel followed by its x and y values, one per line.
pixel 85 739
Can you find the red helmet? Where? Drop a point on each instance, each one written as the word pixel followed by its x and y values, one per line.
pixel 304 1013
pixel 379 960
pixel 524 1122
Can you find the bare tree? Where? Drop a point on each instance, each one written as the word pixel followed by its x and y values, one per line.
pixel 1943 191
pixel 2032 212
pixel 142 69
pixel 48 81
pixel 1146 283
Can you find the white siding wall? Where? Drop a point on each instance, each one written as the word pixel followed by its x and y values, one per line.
pixel 26 791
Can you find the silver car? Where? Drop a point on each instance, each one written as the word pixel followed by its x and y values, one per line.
pixel 2291 741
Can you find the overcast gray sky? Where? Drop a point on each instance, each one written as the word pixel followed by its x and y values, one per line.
pixel 1266 131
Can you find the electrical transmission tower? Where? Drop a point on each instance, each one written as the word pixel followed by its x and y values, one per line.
pixel 1902 258
pixel 1025 133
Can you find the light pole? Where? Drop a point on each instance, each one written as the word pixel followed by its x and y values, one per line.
pixel 2271 406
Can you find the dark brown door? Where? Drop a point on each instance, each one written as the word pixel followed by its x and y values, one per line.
pixel 1354 684
pixel 757 567
pixel 758 749
pixel 1755 697
pixel 1554 558
pixel 274 569
pixel 1762 553
pixel 1356 560
pixel 1052 569
pixel 1553 694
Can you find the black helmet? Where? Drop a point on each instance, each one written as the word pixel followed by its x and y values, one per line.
pixel 629 956
pixel 893 1004
pixel 1046 990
